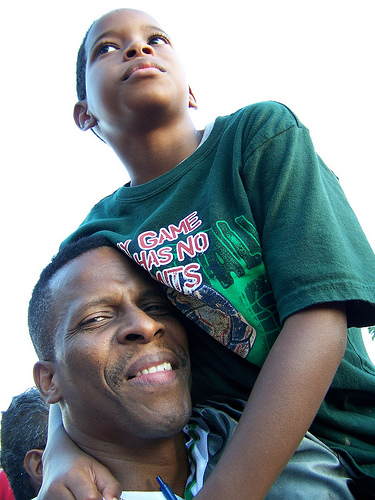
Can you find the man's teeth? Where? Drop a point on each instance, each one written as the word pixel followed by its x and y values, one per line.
pixel 153 369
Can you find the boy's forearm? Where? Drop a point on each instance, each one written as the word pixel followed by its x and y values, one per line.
pixel 54 420
pixel 57 439
pixel 68 472
pixel 285 399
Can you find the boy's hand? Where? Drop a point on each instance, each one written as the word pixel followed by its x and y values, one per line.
pixel 86 480
pixel 68 472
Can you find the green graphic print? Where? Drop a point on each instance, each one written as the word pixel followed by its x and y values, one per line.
pixel 234 268
pixel 217 278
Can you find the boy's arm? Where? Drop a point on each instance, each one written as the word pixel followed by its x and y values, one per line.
pixel 285 399
pixel 68 472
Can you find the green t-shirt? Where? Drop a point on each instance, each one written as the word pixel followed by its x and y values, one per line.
pixel 249 229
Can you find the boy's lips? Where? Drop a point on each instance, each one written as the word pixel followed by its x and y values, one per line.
pixel 141 65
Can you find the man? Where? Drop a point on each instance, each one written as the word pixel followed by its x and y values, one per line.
pixel 118 364
pixel 23 439
pixel 115 356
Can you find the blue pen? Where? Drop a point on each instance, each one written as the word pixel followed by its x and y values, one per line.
pixel 165 489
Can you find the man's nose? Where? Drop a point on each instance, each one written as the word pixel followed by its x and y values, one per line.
pixel 137 48
pixel 139 327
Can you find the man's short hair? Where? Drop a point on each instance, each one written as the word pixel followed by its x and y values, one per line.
pixel 41 305
pixel 23 428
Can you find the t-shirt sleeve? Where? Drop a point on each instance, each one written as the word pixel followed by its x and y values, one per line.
pixel 313 246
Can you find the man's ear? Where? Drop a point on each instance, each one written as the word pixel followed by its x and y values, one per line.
pixel 82 116
pixel 192 100
pixel 46 380
pixel 34 467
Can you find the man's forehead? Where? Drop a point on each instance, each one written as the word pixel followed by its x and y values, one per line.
pixel 85 264
pixel 99 266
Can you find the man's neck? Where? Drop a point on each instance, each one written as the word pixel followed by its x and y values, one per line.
pixel 137 467
pixel 153 152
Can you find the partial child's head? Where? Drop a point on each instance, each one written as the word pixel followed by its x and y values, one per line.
pixel 23 439
pixel 127 67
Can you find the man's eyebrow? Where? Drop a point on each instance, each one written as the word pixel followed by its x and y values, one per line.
pixel 153 294
pixel 78 308
pixel 143 295
pixel 82 306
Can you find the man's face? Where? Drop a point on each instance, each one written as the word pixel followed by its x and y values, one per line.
pixel 122 362
pixel 132 69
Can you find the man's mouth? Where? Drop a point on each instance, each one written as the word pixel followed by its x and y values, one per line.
pixel 153 365
pixel 153 369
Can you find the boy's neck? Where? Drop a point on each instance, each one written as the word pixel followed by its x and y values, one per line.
pixel 150 153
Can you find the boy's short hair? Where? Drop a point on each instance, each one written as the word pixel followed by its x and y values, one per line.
pixel 81 68
pixel 23 428
pixel 41 305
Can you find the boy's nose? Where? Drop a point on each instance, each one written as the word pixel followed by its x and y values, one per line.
pixel 138 48
pixel 139 327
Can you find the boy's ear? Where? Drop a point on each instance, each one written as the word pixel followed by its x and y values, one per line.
pixel 34 467
pixel 192 100
pixel 46 380
pixel 82 116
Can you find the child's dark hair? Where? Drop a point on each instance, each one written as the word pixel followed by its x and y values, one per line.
pixel 81 68
pixel 23 428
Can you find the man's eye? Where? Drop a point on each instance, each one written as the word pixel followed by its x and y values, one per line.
pixel 93 321
pixel 158 309
pixel 159 40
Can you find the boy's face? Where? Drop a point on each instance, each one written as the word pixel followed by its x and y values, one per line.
pixel 132 73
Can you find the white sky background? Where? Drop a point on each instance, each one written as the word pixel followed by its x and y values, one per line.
pixel 315 56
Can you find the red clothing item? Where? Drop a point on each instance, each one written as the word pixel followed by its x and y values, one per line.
pixel 6 492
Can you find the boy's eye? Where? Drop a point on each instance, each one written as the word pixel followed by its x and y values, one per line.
pixel 105 49
pixel 159 40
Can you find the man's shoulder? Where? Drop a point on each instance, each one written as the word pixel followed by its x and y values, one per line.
pixel 232 407
pixel 218 416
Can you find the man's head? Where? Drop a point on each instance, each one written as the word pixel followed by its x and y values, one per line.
pixel 127 66
pixel 23 439
pixel 120 368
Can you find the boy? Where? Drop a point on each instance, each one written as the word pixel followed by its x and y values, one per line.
pixel 256 242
